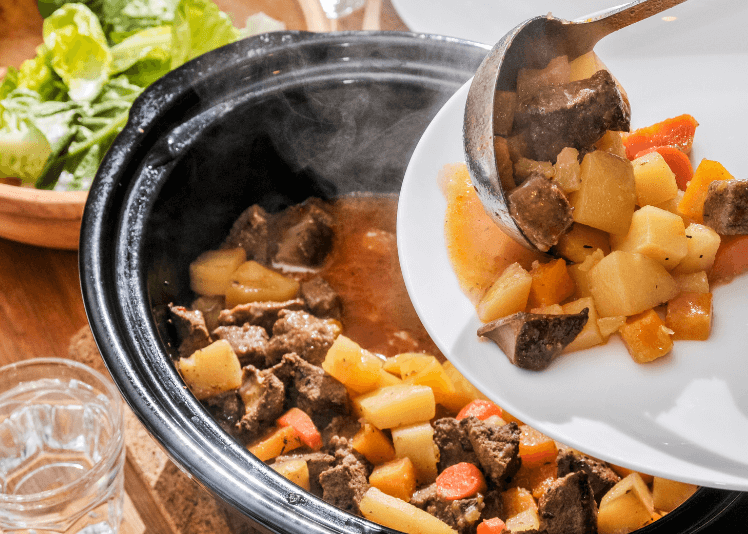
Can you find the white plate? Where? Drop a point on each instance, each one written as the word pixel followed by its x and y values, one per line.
pixel 684 416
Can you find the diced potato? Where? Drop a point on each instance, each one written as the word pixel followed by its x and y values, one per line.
pixel 607 195
pixel 417 443
pixel 210 273
pixel 520 509
pixel 396 478
pixel 211 370
pixel 672 206
pixel 551 283
pixel 655 182
pixel 581 241
pixel 252 282
pixel 626 283
pixel 553 309
pixel 646 336
pixel 399 405
pixel 527 520
pixel 626 507
pixel 525 167
pixel 535 448
pixel 580 273
pixel 689 316
pixel 392 364
pixel 611 142
pixel 609 325
pixel 692 203
pixel 357 369
pixel 530 81
pixel 414 364
pixel 667 495
pixel 507 295
pixel 590 334
pixel 567 171
pixel 656 233
pixel 387 379
pixel 276 442
pixel 295 470
pixel 696 282
pixel 585 66
pixel 703 243
pixel 432 375
pixel 373 444
pixel 623 472
pixel 397 514
pixel 464 390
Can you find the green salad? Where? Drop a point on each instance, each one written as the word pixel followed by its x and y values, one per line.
pixel 60 111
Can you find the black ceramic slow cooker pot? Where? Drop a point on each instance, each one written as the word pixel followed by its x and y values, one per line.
pixel 272 119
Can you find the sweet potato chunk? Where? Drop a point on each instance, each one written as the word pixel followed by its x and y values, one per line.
pixel 689 316
pixel 692 203
pixel 551 284
pixel 646 337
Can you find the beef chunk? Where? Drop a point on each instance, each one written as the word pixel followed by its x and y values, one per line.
pixel 264 397
pixel 262 314
pixel 321 299
pixel 568 506
pixel 249 342
pixel 345 426
pixel 576 114
pixel 497 449
pixel 541 210
pixel 250 232
pixel 308 241
pixel 226 408
pixel 316 462
pixel 462 514
pixel 302 333
pixel 311 389
pixel 191 329
pixel 454 445
pixel 532 340
pixel 726 207
pixel 345 483
pixel 599 474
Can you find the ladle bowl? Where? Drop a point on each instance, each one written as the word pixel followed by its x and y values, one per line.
pixel 531 44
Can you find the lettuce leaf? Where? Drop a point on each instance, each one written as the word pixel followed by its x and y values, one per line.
pixel 123 18
pixel 23 148
pixel 199 26
pixel 143 57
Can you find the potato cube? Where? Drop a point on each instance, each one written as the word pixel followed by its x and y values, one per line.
pixel 590 334
pixel 464 390
pixel 626 283
pixel 703 243
pixel 581 241
pixel 667 495
pixel 357 369
pixel 535 448
pixel 296 470
pixel 399 405
pixel 527 520
pixel 392 364
pixel 646 336
pixel 276 442
pixel 623 472
pixel 525 167
pixel 507 295
pixel 579 273
pixel 530 81
pixel 585 66
pixel 626 507
pixel 607 195
pixel 417 443
pixel 211 370
pixel 611 142
pixel 609 325
pixel 520 509
pixel 432 375
pixel 567 171
pixel 551 283
pixel 553 309
pixel 210 273
pixel 387 379
pixel 395 513
pixel 252 282
pixel 656 233
pixel 655 182
pixel 396 478
pixel 689 316
pixel 696 282
pixel 373 444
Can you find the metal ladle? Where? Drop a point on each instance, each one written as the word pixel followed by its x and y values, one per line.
pixel 532 44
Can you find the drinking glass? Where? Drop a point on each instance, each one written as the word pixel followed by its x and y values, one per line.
pixel 61 449
pixel 335 9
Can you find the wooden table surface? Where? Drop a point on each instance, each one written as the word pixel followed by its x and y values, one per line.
pixel 41 306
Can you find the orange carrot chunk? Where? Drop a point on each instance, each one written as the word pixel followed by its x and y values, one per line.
pixel 692 203
pixel 482 409
pixel 460 481
pixel 676 160
pixel 677 132
pixel 731 259
pixel 491 526
pixel 304 427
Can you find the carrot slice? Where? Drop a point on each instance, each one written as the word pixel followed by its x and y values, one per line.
pixel 731 259
pixel 460 481
pixel 677 132
pixel 491 526
pixel 482 409
pixel 676 160
pixel 304 427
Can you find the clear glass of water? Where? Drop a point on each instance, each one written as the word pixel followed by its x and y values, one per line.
pixel 61 449
pixel 335 9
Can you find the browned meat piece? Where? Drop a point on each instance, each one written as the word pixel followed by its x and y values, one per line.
pixel 345 483
pixel 249 342
pixel 302 333
pixel 262 314
pixel 576 115
pixel 344 426
pixel 541 211
pixel 227 408
pixel 316 462
pixel 726 207
pixel 454 445
pixel 311 389
pixel 462 514
pixel 497 449
pixel 250 232
pixel 264 396
pixel 308 241
pixel 191 329
pixel 532 340
pixel 568 506
pixel 599 474
pixel 321 299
